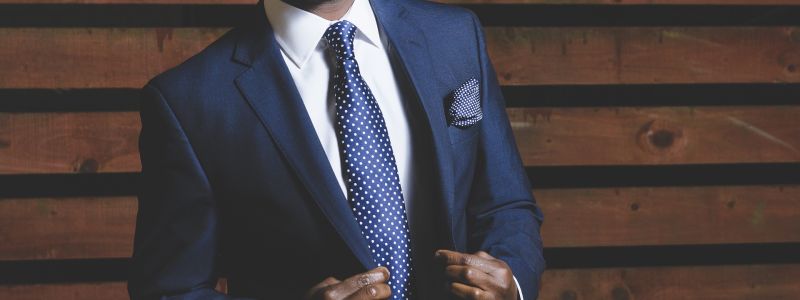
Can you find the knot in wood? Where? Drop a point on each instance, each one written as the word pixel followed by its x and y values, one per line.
pixel 620 293
pixel 661 137
pixel 89 165
pixel 569 295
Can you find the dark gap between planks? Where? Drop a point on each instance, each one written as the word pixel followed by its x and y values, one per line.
pixel 116 269
pixel 639 95
pixel 220 15
pixel 541 177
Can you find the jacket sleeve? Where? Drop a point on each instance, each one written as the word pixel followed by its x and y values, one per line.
pixel 176 236
pixel 503 216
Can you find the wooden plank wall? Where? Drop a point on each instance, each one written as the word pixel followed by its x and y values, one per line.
pixel 662 138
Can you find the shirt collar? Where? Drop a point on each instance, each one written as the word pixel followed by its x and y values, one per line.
pixel 298 32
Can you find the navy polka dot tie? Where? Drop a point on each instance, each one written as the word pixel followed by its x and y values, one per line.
pixel 373 185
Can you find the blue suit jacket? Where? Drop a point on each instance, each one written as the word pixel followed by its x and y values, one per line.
pixel 235 181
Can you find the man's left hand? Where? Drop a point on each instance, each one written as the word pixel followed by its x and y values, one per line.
pixel 478 276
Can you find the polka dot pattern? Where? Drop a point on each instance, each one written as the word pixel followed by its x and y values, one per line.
pixel 465 109
pixel 370 170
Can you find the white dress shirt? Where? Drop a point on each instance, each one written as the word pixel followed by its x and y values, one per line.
pixel 300 36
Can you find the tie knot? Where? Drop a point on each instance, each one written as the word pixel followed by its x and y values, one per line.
pixel 340 38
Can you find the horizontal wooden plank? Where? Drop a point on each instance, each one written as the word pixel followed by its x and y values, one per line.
pixel 69 142
pixel 68 291
pixel 95 57
pixel 87 142
pixel 51 228
pixel 74 291
pixel 128 1
pixel 670 215
pixel 556 2
pixel 117 57
pixel 656 135
pixel 707 282
pixel 68 228
pixel 644 55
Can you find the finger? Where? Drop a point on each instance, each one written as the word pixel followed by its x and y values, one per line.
pixel 497 265
pixel 354 283
pixel 372 291
pixel 471 276
pixel 500 268
pixel 464 291
pixel 321 286
pixel 458 258
pixel 483 254
pixel 328 281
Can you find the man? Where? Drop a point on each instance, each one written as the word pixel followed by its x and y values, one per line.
pixel 335 149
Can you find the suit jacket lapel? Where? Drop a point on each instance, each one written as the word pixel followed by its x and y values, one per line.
pixel 268 87
pixel 412 48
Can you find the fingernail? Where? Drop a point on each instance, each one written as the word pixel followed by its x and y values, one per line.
pixel 373 292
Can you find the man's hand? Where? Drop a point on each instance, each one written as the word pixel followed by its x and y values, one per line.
pixel 367 285
pixel 478 276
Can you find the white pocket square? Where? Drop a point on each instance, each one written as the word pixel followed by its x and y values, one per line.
pixel 465 105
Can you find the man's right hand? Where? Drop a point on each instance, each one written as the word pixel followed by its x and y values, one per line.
pixel 367 285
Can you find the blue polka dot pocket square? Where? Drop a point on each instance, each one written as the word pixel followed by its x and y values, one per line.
pixel 465 105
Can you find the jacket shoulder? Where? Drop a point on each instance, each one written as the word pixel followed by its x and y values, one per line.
pixel 453 37
pixel 201 69
pixel 440 13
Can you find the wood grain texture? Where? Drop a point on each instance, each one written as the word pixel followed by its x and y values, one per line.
pixel 657 135
pixel 70 228
pixel 64 228
pixel 645 55
pixel 555 2
pixel 775 282
pixel 38 143
pixel 68 291
pixel 128 1
pixel 69 142
pixel 670 215
pixel 74 291
pixel 95 57
pixel 117 57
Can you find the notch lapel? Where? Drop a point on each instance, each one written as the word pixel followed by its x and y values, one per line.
pixel 412 49
pixel 268 87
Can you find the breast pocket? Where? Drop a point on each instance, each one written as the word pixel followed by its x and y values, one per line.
pixel 460 135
